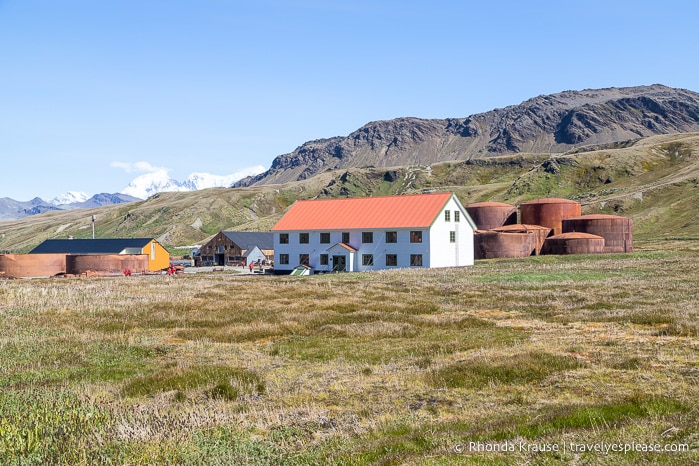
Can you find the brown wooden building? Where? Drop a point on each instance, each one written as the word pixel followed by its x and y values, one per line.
pixel 237 247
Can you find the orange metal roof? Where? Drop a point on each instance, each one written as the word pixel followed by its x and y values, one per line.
pixel 406 211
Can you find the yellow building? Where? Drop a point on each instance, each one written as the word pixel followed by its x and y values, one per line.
pixel 158 257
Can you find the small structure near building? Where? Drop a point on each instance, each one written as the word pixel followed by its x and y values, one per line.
pixel 617 231
pixel 573 243
pixel 237 248
pixel 510 241
pixel 491 244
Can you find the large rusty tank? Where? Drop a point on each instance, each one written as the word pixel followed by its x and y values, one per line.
pixel 491 244
pixel 540 233
pixel 573 243
pixel 617 231
pixel 549 212
pixel 32 265
pixel 489 215
pixel 106 264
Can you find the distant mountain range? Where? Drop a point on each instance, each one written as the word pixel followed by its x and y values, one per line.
pixel 140 188
pixel 548 124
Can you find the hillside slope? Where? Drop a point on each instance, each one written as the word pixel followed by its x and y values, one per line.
pixel 653 180
pixel 545 124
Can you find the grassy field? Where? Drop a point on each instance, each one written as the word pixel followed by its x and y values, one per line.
pixel 562 354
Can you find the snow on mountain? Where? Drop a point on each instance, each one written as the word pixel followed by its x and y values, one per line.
pixel 148 184
pixel 71 197
pixel 196 181
pixel 160 181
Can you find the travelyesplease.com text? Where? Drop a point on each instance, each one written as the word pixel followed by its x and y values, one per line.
pixel 572 447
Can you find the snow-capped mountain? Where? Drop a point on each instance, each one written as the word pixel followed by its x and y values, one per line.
pixel 142 187
pixel 160 181
pixel 148 184
pixel 71 197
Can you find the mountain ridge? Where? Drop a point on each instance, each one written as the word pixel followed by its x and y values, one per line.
pixel 552 123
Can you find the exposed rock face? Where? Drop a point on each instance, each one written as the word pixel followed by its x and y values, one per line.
pixel 545 124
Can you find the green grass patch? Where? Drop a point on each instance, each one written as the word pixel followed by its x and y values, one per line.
pixel 559 419
pixel 223 381
pixel 549 277
pixel 429 343
pixel 524 368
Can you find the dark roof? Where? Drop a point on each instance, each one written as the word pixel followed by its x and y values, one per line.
pixel 250 239
pixel 90 246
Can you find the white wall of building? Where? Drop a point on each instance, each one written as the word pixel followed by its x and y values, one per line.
pixel 444 253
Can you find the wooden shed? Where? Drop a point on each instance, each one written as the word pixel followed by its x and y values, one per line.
pixel 234 247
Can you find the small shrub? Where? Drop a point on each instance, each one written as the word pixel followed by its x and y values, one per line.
pixel 223 391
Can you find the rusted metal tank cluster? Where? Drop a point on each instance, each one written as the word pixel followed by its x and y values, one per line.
pixel 548 226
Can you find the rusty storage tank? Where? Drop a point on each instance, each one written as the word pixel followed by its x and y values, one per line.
pixel 489 215
pixel 540 233
pixel 573 243
pixel 32 265
pixel 549 212
pixel 617 231
pixel 107 263
pixel 491 244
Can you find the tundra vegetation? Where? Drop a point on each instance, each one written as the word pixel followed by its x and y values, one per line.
pixel 392 367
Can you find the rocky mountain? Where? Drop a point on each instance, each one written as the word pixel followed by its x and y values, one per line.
pixel 140 188
pixel 99 200
pixel 546 124
pixel 11 209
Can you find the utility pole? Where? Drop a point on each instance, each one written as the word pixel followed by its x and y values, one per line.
pixel 93 227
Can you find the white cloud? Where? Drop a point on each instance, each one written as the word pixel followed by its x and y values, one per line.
pixel 138 167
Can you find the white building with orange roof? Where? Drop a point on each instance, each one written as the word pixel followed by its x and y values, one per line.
pixel 374 233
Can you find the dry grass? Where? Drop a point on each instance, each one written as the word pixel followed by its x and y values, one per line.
pixel 386 368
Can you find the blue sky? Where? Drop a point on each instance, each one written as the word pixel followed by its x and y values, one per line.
pixel 91 88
